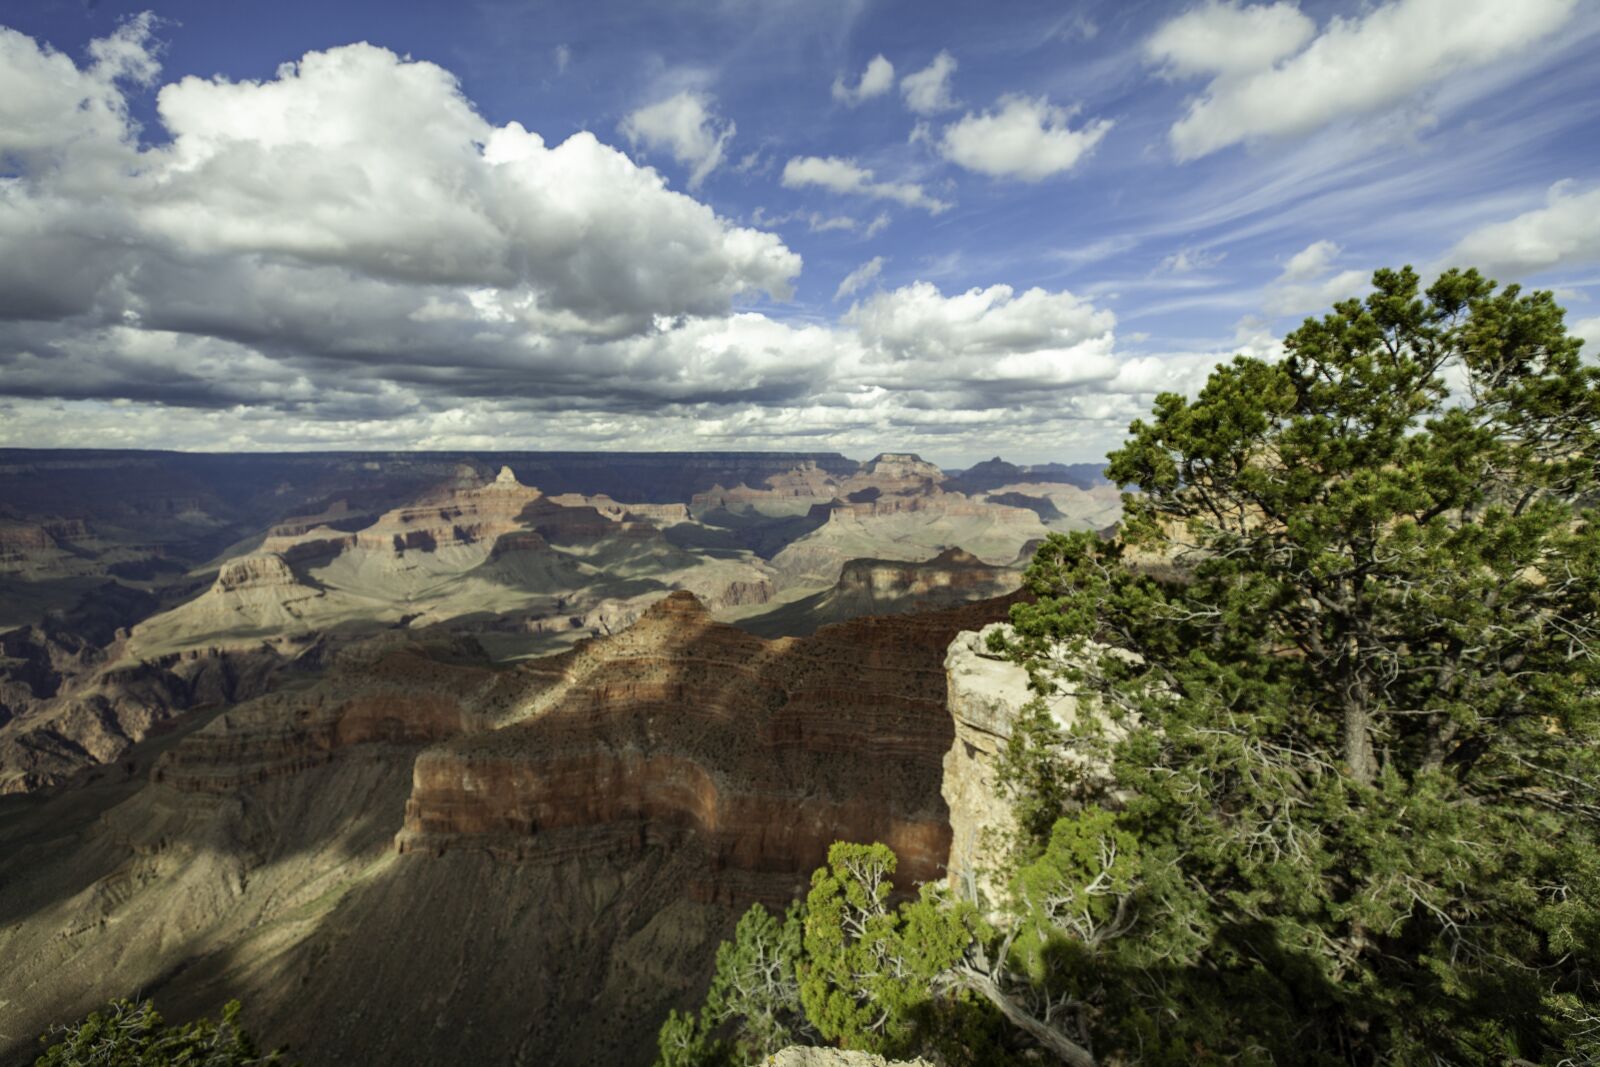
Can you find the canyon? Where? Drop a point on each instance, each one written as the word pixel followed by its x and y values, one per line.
pixel 423 854
pixel 426 760
pixel 135 587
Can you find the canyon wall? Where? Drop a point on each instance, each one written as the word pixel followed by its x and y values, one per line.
pixel 422 856
pixel 768 751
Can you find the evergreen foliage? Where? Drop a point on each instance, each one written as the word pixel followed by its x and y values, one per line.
pixel 125 1034
pixel 753 1006
pixel 1361 769
pixel 1341 799
pixel 870 968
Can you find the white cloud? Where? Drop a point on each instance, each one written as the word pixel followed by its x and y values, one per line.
pixel 1588 330
pixel 879 223
pixel 1311 261
pixel 563 56
pixel 49 107
pixel 846 176
pixel 1308 281
pixel 348 255
pixel 1189 260
pixel 1266 86
pixel 819 223
pixel 351 219
pixel 1026 138
pixel 859 277
pixel 876 80
pixel 993 335
pixel 1563 233
pixel 1225 37
pixel 684 125
pixel 927 91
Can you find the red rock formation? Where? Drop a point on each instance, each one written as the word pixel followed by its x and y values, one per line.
pixel 391 690
pixel 766 751
pixel 763 752
pixel 454 514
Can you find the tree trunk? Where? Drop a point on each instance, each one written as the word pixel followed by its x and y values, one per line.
pixel 1441 732
pixel 1358 743
pixel 1066 1050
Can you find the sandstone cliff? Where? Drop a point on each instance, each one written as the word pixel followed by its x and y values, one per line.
pixel 987 693
pixel 765 751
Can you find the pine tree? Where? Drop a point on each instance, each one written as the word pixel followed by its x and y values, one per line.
pixel 1361 764
pixel 125 1034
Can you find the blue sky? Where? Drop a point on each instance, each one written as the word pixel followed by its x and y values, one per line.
pixel 1157 185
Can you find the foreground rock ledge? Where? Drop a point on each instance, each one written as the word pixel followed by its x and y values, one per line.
pixel 796 1056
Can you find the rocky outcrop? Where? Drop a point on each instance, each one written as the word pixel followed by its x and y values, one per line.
pixel 890 474
pixel 1064 507
pixel 452 515
pixel 535 846
pixel 265 571
pixel 900 472
pixel 96 717
pixel 882 587
pixel 662 515
pixel 890 587
pixel 800 1056
pixel 763 752
pixel 806 482
pixel 987 694
pixel 256 601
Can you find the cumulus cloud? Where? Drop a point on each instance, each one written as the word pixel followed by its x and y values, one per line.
pixel 1563 233
pixel 1225 37
pixel 49 107
pixel 347 254
pixel 1589 331
pixel 927 91
pixel 1310 262
pixel 1026 138
pixel 1267 81
pixel 859 277
pixel 847 176
pixel 1033 339
pixel 876 80
pixel 354 211
pixel 684 125
pixel 1309 281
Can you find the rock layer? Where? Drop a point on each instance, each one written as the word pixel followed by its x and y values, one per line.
pixel 767 751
